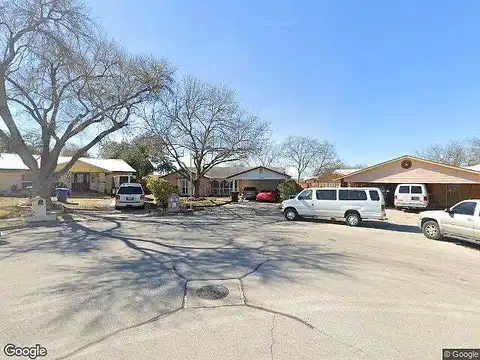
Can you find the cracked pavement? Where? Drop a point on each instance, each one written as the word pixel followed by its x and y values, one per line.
pixel 115 286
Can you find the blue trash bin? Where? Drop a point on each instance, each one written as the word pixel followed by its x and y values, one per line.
pixel 62 194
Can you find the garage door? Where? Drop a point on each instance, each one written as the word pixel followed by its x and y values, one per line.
pixel 262 184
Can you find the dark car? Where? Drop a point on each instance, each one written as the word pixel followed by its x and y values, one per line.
pixel 250 193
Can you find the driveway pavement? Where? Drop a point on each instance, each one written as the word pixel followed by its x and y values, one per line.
pixel 126 286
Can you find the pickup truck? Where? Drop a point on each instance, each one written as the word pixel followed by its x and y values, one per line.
pixel 461 221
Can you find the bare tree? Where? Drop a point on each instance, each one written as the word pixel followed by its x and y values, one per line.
pixel 453 153
pixel 72 150
pixel 473 151
pixel 61 79
pixel 306 154
pixel 31 139
pixel 268 155
pixel 206 123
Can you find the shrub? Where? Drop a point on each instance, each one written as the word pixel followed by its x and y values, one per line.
pixel 144 184
pixel 161 190
pixel 289 188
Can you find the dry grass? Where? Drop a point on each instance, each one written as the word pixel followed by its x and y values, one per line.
pixel 98 203
pixel 14 207
pixel 204 202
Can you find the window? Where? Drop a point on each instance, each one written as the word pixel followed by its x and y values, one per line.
pixel 123 179
pixel 135 190
pixel 326 194
pixel 404 190
pixel 352 195
pixel 416 190
pixel 305 195
pixel 184 187
pixel 466 208
pixel 374 195
pixel 26 181
pixel 225 188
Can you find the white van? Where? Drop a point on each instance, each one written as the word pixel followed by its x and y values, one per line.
pixel 411 196
pixel 351 204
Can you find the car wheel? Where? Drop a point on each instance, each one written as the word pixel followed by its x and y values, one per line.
pixel 431 230
pixel 291 214
pixel 353 219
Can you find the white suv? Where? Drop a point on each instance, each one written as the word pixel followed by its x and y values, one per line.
pixel 130 195
pixel 461 221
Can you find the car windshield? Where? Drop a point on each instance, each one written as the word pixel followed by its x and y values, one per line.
pixel 249 189
pixel 135 190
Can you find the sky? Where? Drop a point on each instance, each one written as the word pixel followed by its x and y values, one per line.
pixel 378 78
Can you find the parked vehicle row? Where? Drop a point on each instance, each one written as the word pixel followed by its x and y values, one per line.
pixel 461 221
pixel 251 193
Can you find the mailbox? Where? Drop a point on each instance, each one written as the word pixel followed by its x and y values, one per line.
pixel 173 202
pixel 39 206
pixel 39 211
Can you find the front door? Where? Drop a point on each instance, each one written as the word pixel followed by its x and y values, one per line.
pixel 460 220
pixel 81 182
pixel 306 204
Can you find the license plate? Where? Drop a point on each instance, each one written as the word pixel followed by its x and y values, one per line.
pixel 129 198
pixel 416 198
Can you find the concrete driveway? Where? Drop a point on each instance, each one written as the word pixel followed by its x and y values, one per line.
pixel 133 287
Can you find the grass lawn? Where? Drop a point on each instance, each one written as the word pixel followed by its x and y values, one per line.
pixel 97 203
pixel 203 201
pixel 14 207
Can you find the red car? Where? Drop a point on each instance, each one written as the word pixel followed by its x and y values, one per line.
pixel 267 195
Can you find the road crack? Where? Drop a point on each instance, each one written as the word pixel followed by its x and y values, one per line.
pixel 254 269
pixel 272 337
pixel 112 334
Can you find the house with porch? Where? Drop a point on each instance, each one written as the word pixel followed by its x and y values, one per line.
pixel 223 180
pixel 86 175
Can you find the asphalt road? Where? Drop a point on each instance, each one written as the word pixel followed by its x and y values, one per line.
pixel 125 287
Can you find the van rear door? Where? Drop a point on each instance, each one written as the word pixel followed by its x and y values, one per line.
pixel 417 195
pixel 402 196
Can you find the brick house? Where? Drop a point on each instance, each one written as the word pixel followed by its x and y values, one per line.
pixel 221 181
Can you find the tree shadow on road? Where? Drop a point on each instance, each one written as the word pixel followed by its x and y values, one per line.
pixel 150 271
pixel 381 225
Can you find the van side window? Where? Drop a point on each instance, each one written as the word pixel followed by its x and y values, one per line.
pixel 416 190
pixel 305 195
pixel 374 195
pixel 404 190
pixel 326 194
pixel 352 195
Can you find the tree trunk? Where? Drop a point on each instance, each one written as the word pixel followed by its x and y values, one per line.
pixel 42 186
pixel 196 187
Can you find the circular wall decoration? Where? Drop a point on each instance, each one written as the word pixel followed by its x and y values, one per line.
pixel 406 164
